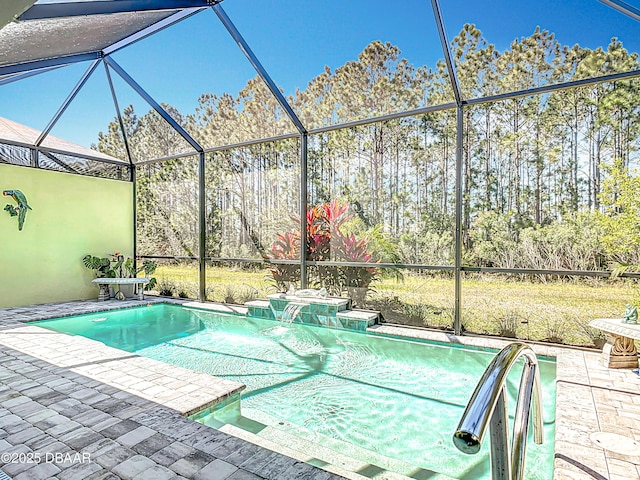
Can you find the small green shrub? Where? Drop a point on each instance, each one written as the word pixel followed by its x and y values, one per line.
pixel 229 294
pixel 210 294
pixel 555 329
pixel 593 336
pixel 415 314
pixel 166 288
pixel 508 324
pixel 247 294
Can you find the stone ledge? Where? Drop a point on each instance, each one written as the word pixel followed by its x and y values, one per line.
pixel 358 315
pixel 310 299
pixel 257 303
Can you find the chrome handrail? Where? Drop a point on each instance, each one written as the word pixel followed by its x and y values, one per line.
pixel 488 407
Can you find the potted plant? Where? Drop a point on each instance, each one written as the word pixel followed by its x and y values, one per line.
pixel 101 265
pixel 326 241
pixel 117 266
pixel 103 269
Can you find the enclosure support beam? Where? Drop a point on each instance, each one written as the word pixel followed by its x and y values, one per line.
pixel 14 77
pixel 184 134
pixel 119 115
pixel 624 8
pixel 155 105
pixel 34 157
pixel 457 93
pixel 244 46
pixel 556 87
pixel 457 301
pixel 304 141
pixel 275 91
pixel 48 63
pixel 202 225
pixel 444 41
pixel 67 102
pixel 134 179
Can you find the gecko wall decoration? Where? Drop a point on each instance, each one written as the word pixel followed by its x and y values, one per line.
pixel 21 210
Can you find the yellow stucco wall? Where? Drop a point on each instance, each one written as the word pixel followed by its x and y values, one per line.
pixel 72 215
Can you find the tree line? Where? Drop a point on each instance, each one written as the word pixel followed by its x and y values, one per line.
pixel 549 180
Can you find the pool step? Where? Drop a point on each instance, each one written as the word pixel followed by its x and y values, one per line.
pixel 306 442
pixel 259 308
pixel 367 318
pixel 361 464
pixel 290 452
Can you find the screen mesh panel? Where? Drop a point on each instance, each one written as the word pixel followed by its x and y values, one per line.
pixel 14 155
pixel 82 166
pixel 41 39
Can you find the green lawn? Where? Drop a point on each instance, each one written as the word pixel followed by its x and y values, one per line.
pixel 490 305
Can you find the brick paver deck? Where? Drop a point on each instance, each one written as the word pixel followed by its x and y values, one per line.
pixel 73 408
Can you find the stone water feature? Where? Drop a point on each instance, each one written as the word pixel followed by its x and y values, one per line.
pixel 312 307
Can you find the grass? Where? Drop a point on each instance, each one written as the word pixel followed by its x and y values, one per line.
pixel 223 284
pixel 543 311
pixel 495 305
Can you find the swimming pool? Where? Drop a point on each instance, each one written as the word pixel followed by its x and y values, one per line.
pixel 389 403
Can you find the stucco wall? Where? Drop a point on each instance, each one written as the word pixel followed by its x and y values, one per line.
pixel 72 215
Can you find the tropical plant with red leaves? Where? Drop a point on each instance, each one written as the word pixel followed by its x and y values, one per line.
pixel 326 242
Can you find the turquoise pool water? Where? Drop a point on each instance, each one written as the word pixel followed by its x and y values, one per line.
pixel 365 396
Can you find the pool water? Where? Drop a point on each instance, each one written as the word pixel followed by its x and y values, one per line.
pixel 364 395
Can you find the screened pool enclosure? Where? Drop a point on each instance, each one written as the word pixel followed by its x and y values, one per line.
pixel 440 167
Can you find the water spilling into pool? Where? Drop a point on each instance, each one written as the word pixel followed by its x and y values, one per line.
pixel 290 313
pixel 385 402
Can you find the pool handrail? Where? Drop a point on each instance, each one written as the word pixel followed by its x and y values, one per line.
pixel 488 407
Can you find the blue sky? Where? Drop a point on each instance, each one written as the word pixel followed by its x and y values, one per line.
pixel 294 40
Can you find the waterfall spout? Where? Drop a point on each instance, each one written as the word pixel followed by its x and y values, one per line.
pixel 290 312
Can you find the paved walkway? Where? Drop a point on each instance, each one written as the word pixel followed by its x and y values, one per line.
pixel 83 413
pixel 72 408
